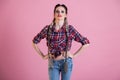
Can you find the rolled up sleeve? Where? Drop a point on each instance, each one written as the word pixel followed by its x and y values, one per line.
pixel 41 35
pixel 78 37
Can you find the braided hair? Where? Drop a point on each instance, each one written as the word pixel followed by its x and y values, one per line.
pixel 66 24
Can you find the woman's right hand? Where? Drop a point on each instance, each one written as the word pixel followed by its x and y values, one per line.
pixel 45 57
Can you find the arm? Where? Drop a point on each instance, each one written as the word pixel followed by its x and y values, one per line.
pixel 79 38
pixel 41 35
pixel 39 51
pixel 80 49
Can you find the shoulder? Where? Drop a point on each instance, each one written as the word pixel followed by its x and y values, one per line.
pixel 45 27
pixel 71 27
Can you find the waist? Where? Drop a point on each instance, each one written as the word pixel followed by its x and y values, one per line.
pixel 58 56
pixel 63 60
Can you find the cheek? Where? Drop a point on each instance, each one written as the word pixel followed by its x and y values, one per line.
pixel 64 15
pixel 55 15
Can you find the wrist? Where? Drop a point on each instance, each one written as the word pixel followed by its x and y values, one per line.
pixel 74 55
pixel 45 57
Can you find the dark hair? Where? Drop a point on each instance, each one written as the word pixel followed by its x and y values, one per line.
pixel 66 11
pixel 62 5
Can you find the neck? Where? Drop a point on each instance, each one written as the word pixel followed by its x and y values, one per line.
pixel 59 23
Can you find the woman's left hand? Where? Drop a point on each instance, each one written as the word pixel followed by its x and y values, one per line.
pixel 45 57
pixel 70 55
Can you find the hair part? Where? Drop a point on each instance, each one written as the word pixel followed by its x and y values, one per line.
pixel 62 5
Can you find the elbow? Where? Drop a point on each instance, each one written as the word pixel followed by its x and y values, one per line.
pixel 85 42
pixel 33 44
pixel 86 45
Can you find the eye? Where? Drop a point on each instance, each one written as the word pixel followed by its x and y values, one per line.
pixel 62 11
pixel 57 11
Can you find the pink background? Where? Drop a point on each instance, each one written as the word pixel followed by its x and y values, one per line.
pixel 21 20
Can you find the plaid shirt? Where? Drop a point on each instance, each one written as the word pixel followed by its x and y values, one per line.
pixel 58 38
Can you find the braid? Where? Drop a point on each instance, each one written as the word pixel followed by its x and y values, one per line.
pixel 66 22
pixel 67 34
pixel 53 22
pixel 49 32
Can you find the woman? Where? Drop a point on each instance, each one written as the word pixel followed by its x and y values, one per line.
pixel 59 36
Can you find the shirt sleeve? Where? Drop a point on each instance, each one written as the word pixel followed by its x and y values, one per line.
pixel 78 37
pixel 41 35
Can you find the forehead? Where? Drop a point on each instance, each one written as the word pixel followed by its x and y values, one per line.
pixel 60 8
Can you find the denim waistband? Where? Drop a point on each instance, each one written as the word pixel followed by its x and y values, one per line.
pixel 68 58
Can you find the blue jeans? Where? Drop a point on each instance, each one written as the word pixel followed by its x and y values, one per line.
pixel 57 67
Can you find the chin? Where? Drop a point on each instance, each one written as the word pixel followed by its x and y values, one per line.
pixel 60 19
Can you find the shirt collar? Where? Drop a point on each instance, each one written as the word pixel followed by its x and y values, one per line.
pixel 61 29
